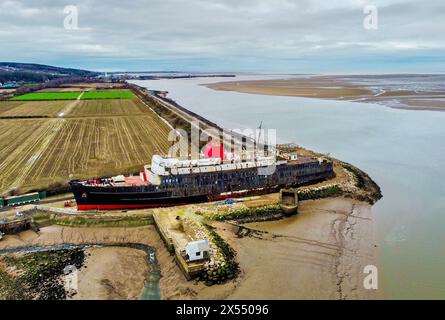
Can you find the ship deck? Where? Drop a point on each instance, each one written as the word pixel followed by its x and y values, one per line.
pixel 134 181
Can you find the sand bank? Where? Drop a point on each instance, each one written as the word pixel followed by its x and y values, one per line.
pixel 343 88
pixel 308 87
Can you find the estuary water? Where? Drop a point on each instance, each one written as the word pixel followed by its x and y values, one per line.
pixel 402 150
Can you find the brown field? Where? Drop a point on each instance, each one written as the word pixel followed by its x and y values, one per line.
pixel 65 89
pixel 31 108
pixel 5 106
pixel 7 91
pixel 85 87
pixel 94 85
pixel 108 107
pixel 94 138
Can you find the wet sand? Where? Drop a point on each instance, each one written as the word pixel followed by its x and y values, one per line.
pixel 112 273
pixel 317 87
pixel 145 235
pixel 173 284
pixel 341 88
pixel 318 254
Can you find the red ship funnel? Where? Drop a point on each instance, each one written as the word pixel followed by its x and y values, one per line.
pixel 214 150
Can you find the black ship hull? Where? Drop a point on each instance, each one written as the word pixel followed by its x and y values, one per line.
pixel 97 198
pixel 122 202
pixel 133 198
pixel 200 187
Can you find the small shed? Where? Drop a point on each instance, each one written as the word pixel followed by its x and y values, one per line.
pixel 197 250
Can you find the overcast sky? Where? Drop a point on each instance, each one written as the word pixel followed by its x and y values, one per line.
pixel 316 36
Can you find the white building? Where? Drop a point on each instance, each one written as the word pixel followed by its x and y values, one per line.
pixel 197 250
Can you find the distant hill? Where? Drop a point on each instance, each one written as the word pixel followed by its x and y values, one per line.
pixel 29 72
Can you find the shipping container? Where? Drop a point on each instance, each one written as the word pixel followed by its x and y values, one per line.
pixel 42 194
pixel 22 199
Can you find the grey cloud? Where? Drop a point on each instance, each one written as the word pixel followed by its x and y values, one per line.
pixel 176 29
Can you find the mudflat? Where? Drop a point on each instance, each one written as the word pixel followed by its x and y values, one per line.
pixel 112 273
pixel 318 254
pixel 413 92
pixel 319 87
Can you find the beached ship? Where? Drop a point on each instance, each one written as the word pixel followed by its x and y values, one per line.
pixel 172 181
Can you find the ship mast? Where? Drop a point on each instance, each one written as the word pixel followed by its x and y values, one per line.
pixel 257 141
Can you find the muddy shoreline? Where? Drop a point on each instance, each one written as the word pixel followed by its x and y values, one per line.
pixel 317 254
pixel 102 271
pixel 173 284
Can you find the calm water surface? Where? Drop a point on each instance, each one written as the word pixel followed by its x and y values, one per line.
pixel 403 151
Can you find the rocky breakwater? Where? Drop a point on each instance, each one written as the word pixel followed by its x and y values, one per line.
pixel 37 275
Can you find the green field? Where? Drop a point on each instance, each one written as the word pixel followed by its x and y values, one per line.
pixel 87 95
pixel 42 96
pixel 94 95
